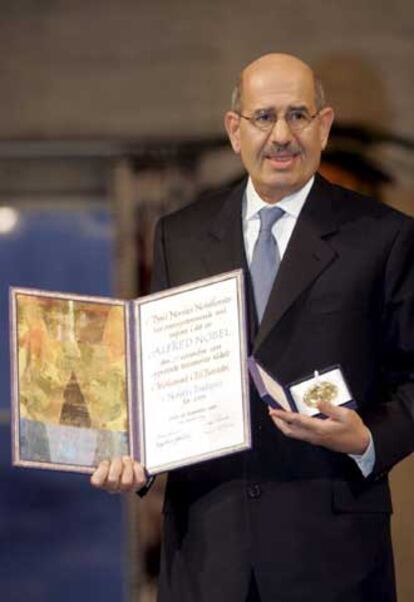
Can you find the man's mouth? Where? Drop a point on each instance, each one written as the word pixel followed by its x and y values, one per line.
pixel 281 159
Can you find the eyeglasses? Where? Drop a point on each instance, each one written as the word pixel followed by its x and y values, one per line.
pixel 265 119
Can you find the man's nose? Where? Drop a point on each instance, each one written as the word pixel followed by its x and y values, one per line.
pixel 281 133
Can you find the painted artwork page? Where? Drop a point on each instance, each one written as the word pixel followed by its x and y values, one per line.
pixel 71 388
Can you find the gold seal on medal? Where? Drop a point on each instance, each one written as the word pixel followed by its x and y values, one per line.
pixel 321 391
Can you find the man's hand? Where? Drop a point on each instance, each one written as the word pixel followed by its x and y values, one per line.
pixel 121 475
pixel 342 431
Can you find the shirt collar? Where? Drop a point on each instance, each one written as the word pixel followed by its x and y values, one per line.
pixel 292 204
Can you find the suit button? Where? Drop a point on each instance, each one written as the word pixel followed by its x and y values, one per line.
pixel 254 491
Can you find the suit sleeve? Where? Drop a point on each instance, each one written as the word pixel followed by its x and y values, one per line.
pixel 392 422
pixel 159 282
pixel 159 279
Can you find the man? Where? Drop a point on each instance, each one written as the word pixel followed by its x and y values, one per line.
pixel 304 515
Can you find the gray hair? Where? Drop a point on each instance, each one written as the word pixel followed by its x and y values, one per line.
pixel 236 96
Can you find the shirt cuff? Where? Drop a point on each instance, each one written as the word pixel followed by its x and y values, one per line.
pixel 366 460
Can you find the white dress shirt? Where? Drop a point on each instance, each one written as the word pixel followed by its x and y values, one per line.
pixel 282 231
pixel 283 228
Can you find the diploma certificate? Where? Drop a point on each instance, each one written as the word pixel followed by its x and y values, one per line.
pixel 162 378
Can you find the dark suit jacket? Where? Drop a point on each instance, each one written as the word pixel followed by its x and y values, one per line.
pixel 302 518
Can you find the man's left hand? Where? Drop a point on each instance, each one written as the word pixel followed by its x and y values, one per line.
pixel 343 430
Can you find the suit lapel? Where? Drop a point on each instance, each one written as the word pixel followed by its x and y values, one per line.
pixel 307 255
pixel 225 250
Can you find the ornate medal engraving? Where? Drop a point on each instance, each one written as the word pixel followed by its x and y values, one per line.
pixel 321 391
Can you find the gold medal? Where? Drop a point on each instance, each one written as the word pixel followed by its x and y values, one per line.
pixel 321 391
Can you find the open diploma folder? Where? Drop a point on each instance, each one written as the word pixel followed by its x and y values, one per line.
pixel 162 378
pixel 303 395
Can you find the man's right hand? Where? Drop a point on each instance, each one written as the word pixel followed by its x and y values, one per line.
pixel 120 475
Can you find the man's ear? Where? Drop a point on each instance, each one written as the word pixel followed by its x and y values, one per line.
pixel 327 116
pixel 232 125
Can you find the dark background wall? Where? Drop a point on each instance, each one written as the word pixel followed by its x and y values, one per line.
pixel 137 68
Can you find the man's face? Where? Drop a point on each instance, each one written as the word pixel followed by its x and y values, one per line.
pixel 279 160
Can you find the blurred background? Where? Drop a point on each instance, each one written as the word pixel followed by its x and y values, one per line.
pixel 111 115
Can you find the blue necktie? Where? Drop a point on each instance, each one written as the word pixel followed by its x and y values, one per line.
pixel 266 258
